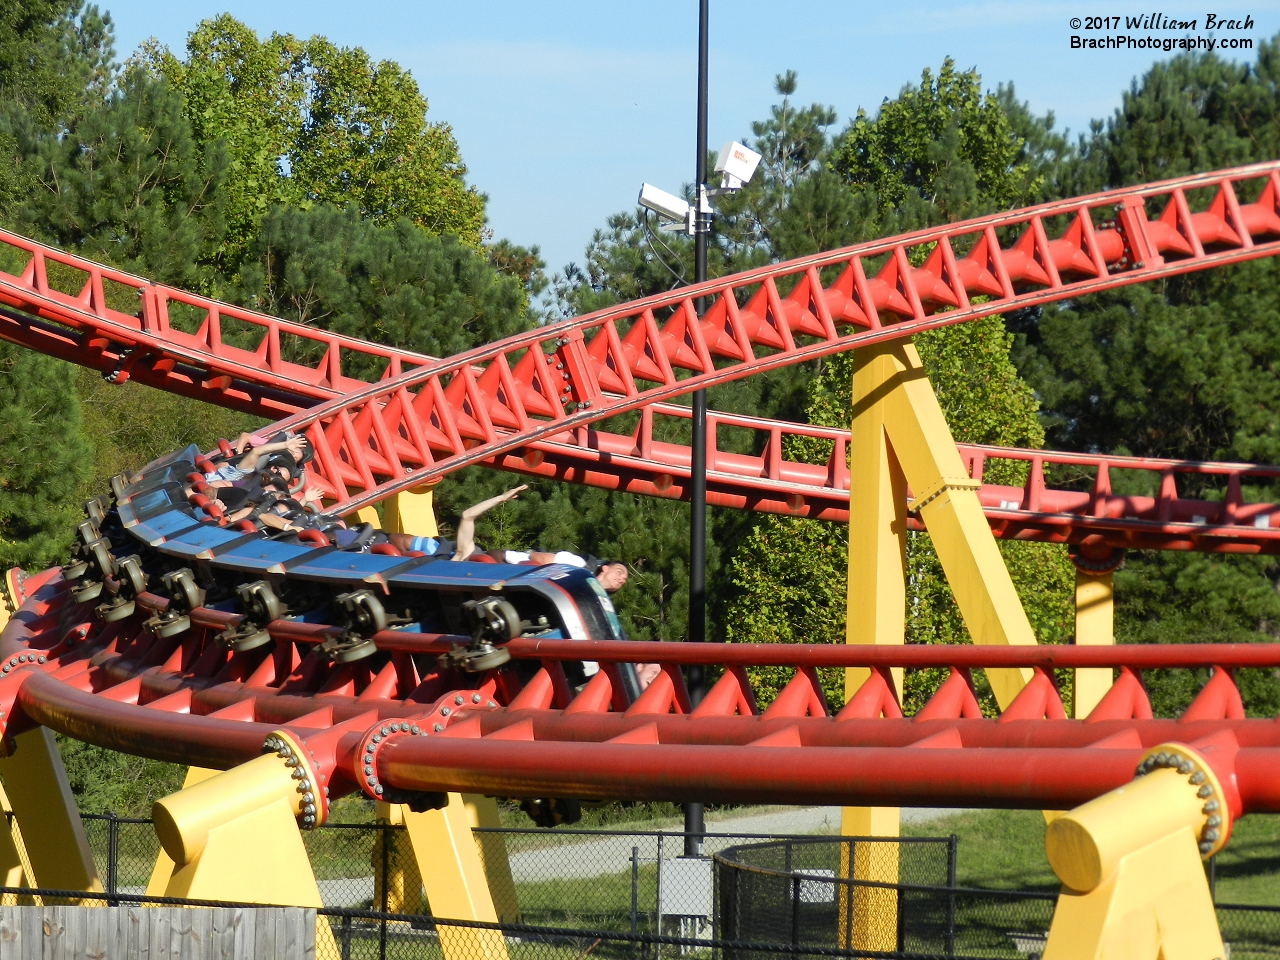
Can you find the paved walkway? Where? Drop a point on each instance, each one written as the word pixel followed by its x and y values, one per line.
pixel 612 854
pixel 566 856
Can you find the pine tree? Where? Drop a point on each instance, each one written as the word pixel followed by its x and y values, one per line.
pixel 941 151
pixel 44 458
pixel 1185 368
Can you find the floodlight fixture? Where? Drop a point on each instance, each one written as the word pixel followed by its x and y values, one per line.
pixel 736 165
pixel 667 206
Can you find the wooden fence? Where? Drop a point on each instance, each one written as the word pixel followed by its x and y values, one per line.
pixel 157 933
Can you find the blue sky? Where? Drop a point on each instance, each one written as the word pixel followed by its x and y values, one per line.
pixel 561 108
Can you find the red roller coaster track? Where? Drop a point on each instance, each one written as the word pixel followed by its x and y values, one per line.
pixel 496 406
pixel 187 700
pixel 528 404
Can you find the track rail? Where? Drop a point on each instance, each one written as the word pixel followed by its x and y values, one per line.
pixel 396 726
pixel 530 387
pixel 214 351
pixel 187 700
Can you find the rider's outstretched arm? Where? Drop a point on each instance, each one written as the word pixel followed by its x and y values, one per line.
pixel 466 545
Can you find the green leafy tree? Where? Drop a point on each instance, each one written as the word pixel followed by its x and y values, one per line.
pixel 128 184
pixel 55 56
pixel 44 459
pixel 389 282
pixel 1185 368
pixel 941 151
pixel 946 143
pixel 55 63
pixel 306 121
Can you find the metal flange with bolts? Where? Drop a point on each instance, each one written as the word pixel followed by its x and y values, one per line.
pixel 1213 835
pixel 311 781
pixel 380 734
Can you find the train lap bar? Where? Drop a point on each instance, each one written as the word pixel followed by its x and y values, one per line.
pixel 500 406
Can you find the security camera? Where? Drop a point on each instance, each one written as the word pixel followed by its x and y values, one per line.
pixel 736 165
pixel 666 205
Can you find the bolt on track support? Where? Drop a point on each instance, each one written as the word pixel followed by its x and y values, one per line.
pixel 235 836
pixel 1134 886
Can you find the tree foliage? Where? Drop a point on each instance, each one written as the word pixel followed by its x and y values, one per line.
pixel 386 282
pixel 127 183
pixel 221 174
pixel 307 121
pixel 940 151
pixel 1185 368
pixel 56 57
pixel 44 458
pixel 945 143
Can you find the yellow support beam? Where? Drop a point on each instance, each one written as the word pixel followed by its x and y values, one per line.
pixel 234 836
pixel 404 887
pixel 1134 885
pixel 9 580
pixel 13 854
pixel 875 614
pixel 1095 626
pixel 45 810
pixel 411 511
pixel 397 882
pixel 453 876
pixel 868 916
pixel 163 869
pixel 900 437
pixel 947 502
pixel 483 812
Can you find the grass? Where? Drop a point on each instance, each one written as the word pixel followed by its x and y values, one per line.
pixel 1248 870
pixel 998 849
pixel 1004 850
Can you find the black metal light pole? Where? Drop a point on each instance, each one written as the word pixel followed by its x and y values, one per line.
pixel 697 632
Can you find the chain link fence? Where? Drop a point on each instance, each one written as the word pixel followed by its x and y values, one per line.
pixel 850 893
pixel 636 893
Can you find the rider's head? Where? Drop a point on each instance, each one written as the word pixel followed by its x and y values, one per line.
pixel 612 574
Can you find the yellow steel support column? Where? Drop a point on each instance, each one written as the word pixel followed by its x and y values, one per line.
pixel 875 612
pixel 9 580
pixel 1095 626
pixel 868 916
pixel 235 836
pixel 163 869
pixel 900 437
pixel 13 862
pixel 45 810
pixel 453 875
pixel 404 888
pixel 483 812
pixel 411 511
pixel 1130 861
pixel 396 880
pixel 947 501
